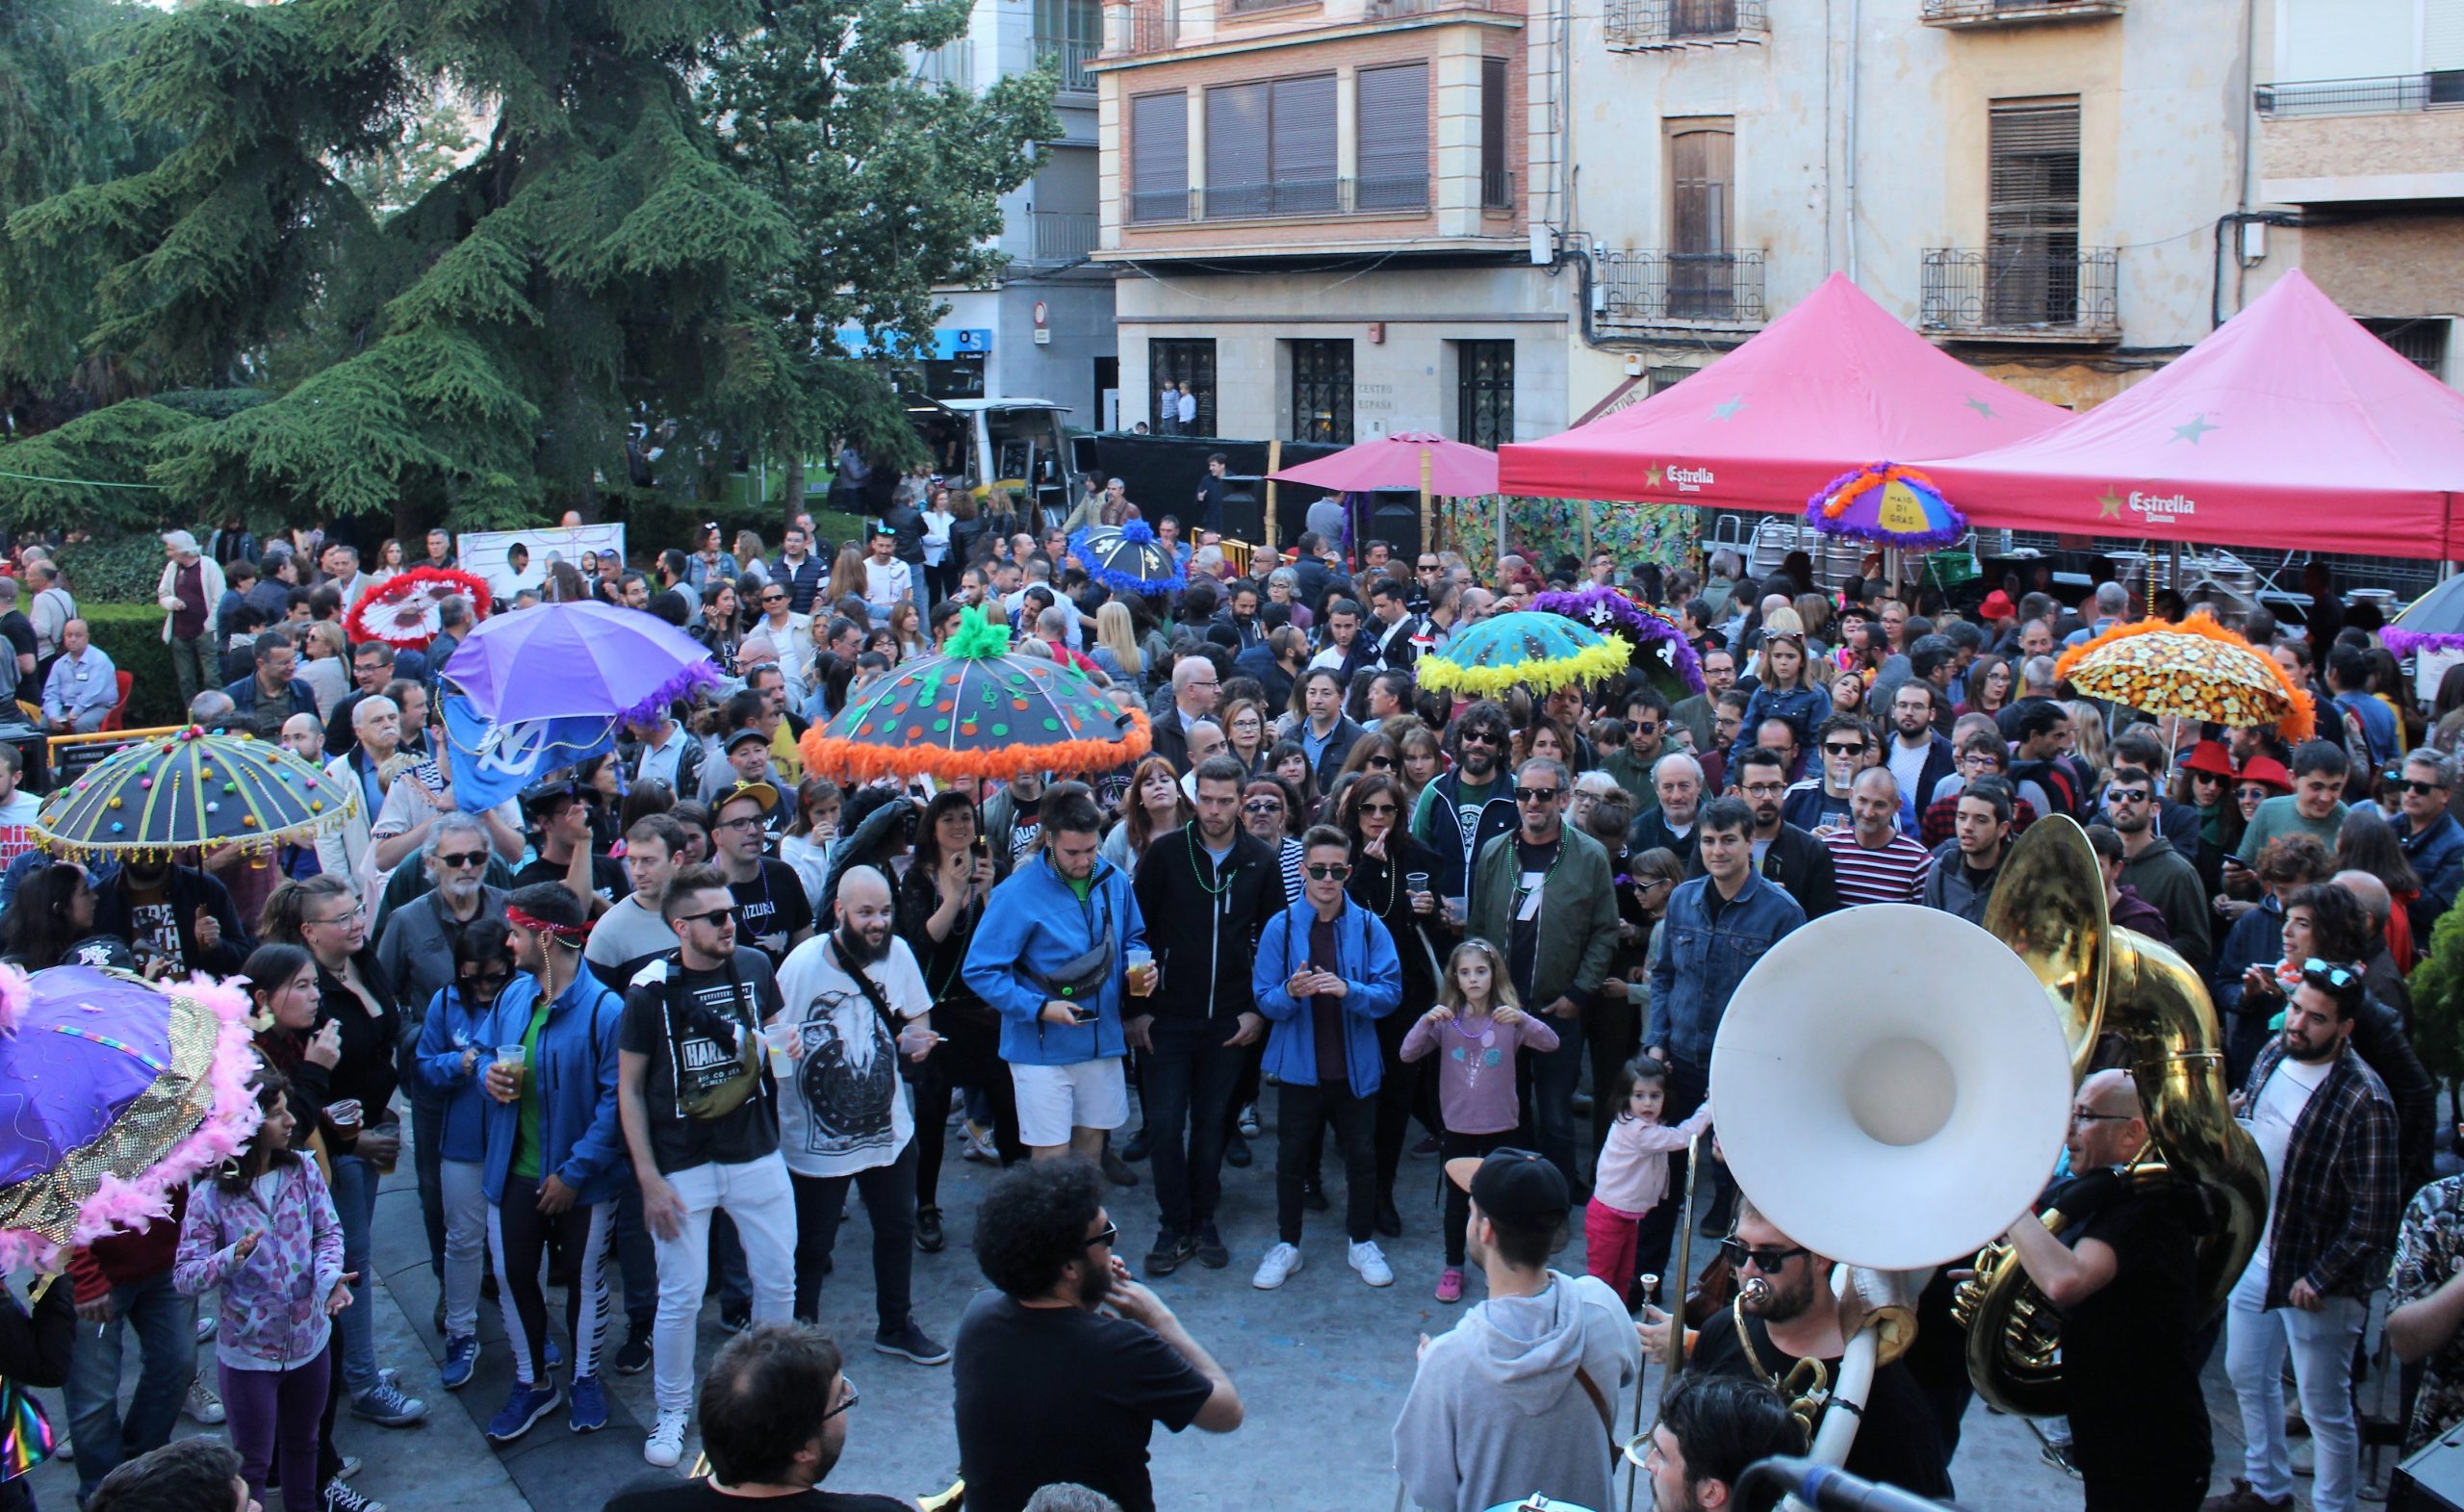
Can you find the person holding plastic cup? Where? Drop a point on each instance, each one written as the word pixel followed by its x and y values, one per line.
pixel 860 1016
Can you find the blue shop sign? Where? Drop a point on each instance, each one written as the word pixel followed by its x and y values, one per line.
pixel 947 342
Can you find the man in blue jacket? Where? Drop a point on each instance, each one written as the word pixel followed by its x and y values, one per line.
pixel 2432 840
pixel 1326 968
pixel 555 1147
pixel 1051 957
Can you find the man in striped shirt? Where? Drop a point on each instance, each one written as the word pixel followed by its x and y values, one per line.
pixel 1874 862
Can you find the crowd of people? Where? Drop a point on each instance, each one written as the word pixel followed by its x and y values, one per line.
pixel 656 1022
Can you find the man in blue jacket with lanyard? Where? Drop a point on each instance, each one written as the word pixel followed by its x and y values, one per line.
pixel 1052 959
pixel 1326 967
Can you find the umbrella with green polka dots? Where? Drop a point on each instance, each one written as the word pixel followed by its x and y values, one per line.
pixel 976 711
pixel 191 788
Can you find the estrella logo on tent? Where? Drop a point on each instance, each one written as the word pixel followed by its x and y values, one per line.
pixel 1689 479
pixel 2151 509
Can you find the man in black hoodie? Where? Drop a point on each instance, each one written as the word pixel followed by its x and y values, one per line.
pixel 1206 889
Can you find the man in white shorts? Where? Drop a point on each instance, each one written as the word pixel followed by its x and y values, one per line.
pixel 1052 958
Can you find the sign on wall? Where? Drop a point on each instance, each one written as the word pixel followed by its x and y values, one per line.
pixel 488 553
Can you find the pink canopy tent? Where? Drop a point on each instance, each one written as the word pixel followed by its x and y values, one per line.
pixel 1456 469
pixel 2290 425
pixel 1834 383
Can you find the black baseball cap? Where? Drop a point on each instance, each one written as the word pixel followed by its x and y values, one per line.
pixel 1519 1188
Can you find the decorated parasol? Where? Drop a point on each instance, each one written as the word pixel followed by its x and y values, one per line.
pixel 403 610
pixel 1660 649
pixel 2195 669
pixel 119 1092
pixel 1545 652
pixel 976 711
pixel 562 660
pixel 191 788
pixel 1127 558
pixel 2433 622
pixel 1885 502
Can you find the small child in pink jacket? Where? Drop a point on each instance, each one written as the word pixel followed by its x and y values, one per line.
pixel 1632 1176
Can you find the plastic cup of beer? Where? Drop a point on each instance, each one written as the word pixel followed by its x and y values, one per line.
pixel 345 1115
pixel 513 1058
pixel 777 1038
pixel 1141 971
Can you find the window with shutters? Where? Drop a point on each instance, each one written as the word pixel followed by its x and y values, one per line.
pixel 1321 391
pixel 1393 137
pixel 1484 392
pixel 2032 214
pixel 1159 156
pixel 2420 340
pixel 1497 180
pixel 1174 361
pixel 1702 258
pixel 1270 149
pixel 1068 34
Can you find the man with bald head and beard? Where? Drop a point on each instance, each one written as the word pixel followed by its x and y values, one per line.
pixel 855 1005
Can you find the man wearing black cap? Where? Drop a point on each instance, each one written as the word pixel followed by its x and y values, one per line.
pixel 560 812
pixel 772 912
pixel 1522 1393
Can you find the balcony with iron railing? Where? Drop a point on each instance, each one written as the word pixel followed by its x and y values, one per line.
pixel 1058 237
pixel 1370 195
pixel 1999 294
pixel 1069 57
pixel 2388 96
pixel 1497 189
pixel 1633 24
pixel 1964 13
pixel 1635 292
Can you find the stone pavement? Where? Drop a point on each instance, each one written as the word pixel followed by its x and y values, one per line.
pixel 1323 1366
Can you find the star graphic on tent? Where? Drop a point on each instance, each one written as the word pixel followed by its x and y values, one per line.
pixel 2197 427
pixel 1651 477
pixel 2109 504
pixel 1727 408
pixel 1983 408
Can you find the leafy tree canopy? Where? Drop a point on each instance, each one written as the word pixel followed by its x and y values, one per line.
pixel 674 205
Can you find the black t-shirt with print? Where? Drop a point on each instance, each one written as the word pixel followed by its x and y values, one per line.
pixel 1026 826
pixel 771 909
pixel 702 1016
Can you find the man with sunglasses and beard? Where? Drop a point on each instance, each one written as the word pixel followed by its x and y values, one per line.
pixel 855 1006
pixel 1065 1365
pixel 1784 1315
pixel 1469 804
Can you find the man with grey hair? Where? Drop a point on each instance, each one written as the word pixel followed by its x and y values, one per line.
pixel 83 687
pixel 2113 606
pixel 187 591
pixel 1677 779
pixel 2431 838
pixel 1196 687
pixel 376 734
pixel 52 608
pixel 416 954
pixel 211 710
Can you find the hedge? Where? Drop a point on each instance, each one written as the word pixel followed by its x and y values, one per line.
pixel 131 634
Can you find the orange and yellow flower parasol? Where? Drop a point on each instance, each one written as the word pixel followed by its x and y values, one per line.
pixel 2195 668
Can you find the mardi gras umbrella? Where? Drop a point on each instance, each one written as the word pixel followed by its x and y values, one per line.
pixel 117 1091
pixel 2433 622
pixel 2197 669
pixel 403 610
pixel 191 788
pixel 1660 649
pixel 977 711
pixel 567 659
pixel 1888 503
pixel 1127 558
pixel 1543 650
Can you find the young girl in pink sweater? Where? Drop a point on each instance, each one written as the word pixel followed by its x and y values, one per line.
pixel 1632 1176
pixel 1474 1030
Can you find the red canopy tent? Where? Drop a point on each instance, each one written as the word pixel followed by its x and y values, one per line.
pixel 1454 468
pixel 1834 383
pixel 2289 426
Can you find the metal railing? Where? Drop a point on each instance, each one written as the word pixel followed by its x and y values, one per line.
pixel 2402 93
pixel 1315 196
pixel 1154 27
pixel 1978 11
pixel 1637 290
pixel 1679 23
pixel 1162 204
pixel 1069 57
pixel 1989 290
pixel 1497 189
pixel 1060 236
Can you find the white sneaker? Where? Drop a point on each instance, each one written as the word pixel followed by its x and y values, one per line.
pixel 1371 1261
pixel 666 1443
pixel 1277 1268
pixel 202 1404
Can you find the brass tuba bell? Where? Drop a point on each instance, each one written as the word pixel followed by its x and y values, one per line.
pixel 2049 906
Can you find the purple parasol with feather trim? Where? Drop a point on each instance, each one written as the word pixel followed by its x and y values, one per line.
pixel 563 660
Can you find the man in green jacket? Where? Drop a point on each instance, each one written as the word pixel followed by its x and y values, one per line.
pixel 2153 869
pixel 1543 896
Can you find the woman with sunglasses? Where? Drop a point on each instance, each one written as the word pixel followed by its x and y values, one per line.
pixel 1371 752
pixel 1390 878
pixel 2203 779
pixel 454 1040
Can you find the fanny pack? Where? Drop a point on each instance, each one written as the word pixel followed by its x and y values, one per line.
pixel 708 1093
pixel 1081 978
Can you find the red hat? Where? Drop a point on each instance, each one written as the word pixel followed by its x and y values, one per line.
pixel 2266 771
pixel 1997 605
pixel 2209 756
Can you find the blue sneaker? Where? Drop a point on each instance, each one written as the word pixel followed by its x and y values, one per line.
pixel 590 1405
pixel 461 1358
pixel 554 1352
pixel 522 1410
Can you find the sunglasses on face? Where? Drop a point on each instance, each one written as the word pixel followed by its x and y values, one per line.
pixel 1537 795
pixel 1478 738
pixel 1829 748
pixel 2252 793
pixel 1768 1260
pixel 488 980
pixel 2423 789
pixel 1104 1240
pixel 461 859
pixel 2206 777
pixel 1262 805
pixel 713 916
pixel 1381 763
pixel 2125 795
pixel 1324 871
pixel 1378 808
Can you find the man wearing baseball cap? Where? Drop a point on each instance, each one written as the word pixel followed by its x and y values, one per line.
pixel 1522 1393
